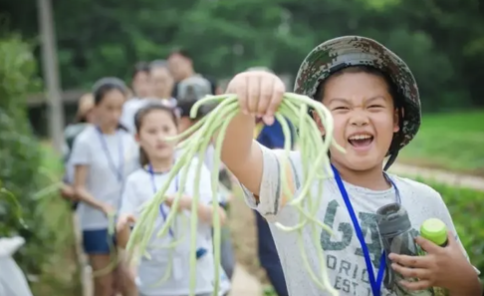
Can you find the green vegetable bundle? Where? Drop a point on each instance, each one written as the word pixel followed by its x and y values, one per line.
pixel 316 166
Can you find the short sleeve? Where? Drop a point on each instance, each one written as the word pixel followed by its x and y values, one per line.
pixel 130 202
pixel 81 152
pixel 270 196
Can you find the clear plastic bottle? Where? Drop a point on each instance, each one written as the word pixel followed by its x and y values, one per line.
pixel 397 237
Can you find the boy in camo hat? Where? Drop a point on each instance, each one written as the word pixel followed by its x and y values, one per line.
pixel 374 101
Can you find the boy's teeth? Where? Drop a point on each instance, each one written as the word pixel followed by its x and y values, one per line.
pixel 360 137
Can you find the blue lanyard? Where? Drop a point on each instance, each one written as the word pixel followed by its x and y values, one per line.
pixel 117 171
pixel 375 283
pixel 155 190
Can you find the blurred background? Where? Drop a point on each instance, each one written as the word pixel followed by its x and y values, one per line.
pixel 65 46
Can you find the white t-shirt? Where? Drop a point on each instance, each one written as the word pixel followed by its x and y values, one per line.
pixel 102 179
pixel 134 105
pixel 343 256
pixel 139 190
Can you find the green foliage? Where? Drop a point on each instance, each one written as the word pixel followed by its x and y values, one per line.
pixel 440 40
pixel 24 172
pixel 451 141
pixel 19 153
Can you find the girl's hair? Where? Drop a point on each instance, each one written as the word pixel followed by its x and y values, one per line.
pixel 141 67
pixel 138 123
pixel 105 85
pixel 394 93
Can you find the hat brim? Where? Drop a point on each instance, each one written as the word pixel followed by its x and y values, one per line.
pixel 347 51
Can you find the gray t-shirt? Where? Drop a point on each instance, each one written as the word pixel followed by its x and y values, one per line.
pixel 102 179
pixel 139 190
pixel 343 255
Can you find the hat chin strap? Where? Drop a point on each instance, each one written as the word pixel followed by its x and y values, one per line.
pixel 391 160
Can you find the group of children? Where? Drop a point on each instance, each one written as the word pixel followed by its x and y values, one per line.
pixel 116 160
pixel 374 100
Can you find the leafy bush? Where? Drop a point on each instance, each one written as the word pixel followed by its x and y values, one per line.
pixel 24 173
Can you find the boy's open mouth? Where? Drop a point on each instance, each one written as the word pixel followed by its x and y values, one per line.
pixel 361 140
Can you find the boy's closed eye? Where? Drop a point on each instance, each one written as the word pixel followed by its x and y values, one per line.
pixel 376 106
pixel 340 108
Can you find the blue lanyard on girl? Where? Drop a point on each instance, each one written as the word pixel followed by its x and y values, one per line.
pixel 155 190
pixel 374 282
pixel 120 170
pixel 200 251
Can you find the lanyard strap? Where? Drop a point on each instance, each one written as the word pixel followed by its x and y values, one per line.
pixel 117 171
pixel 374 282
pixel 155 190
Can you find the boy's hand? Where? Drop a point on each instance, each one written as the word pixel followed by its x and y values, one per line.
pixel 260 93
pixel 440 267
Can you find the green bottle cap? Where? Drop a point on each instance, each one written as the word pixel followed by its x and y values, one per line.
pixel 434 230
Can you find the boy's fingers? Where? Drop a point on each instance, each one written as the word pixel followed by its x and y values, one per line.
pixel 241 91
pixel 427 245
pixel 253 93
pixel 277 94
pixel 409 261
pixel 267 85
pixel 406 272
pixel 416 286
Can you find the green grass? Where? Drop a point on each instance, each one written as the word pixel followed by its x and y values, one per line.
pixel 449 141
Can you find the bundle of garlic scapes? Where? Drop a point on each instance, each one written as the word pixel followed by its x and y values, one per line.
pixel 316 165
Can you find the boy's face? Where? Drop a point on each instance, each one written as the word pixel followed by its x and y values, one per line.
pixel 364 119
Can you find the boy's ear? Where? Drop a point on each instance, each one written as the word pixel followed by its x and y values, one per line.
pixel 397 115
pixel 319 122
pixel 136 137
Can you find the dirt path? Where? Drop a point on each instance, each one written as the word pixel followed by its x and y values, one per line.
pixel 441 176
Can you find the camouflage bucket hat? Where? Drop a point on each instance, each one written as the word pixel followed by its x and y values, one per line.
pixel 342 52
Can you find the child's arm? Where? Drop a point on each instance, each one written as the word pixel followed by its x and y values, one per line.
pixel 81 192
pixel 81 159
pixel 260 94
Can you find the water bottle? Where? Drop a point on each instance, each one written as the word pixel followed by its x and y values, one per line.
pixel 396 236
pixel 435 231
